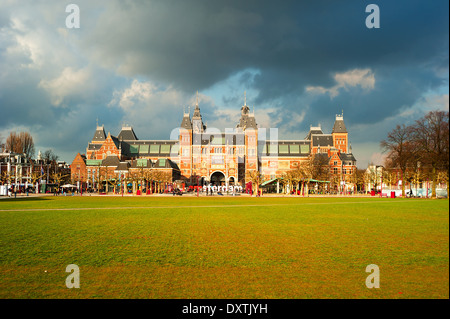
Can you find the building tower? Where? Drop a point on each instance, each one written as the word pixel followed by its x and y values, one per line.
pixel 340 134
pixel 247 124
pixel 198 127
pixel 185 146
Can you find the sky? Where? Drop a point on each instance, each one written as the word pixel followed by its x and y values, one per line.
pixel 141 63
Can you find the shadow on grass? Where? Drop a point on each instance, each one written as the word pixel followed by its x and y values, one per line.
pixel 22 199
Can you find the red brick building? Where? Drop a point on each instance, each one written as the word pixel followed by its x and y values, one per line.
pixel 200 156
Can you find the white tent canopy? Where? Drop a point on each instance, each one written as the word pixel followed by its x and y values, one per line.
pixel 68 185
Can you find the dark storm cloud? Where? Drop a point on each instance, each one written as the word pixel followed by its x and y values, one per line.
pixel 287 54
pixel 194 44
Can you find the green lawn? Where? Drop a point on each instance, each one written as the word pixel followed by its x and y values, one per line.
pixel 223 247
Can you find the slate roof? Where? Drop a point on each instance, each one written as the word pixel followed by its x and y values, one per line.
pixel 141 163
pixel 127 134
pixel 247 120
pixel 94 147
pixel 165 163
pixel 347 157
pixel 315 131
pixel 322 140
pixel 123 166
pixel 111 160
pixel 339 126
pixel 99 134
pixel 186 122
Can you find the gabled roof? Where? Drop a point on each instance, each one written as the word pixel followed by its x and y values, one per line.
pixel 99 134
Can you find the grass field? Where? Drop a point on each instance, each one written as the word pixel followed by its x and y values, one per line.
pixel 218 247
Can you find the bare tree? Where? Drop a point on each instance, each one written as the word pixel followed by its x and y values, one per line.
pixel 400 148
pixel 27 144
pixel 431 135
pixel 13 143
pixel 21 143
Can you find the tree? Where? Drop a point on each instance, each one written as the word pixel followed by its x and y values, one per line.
pixel 58 178
pixel 27 144
pixel 49 156
pixel 430 133
pixel 148 177
pixel 115 182
pixel 36 176
pixel 360 178
pixel 21 143
pixel 400 148
pixel 256 178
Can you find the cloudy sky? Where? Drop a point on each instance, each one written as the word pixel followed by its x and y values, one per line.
pixel 141 63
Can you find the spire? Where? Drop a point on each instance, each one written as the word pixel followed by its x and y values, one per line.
pixel 245 98
pixel 196 103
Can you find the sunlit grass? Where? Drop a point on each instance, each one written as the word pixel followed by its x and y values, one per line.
pixel 219 247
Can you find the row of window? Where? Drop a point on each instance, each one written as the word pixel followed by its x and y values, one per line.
pixel 345 171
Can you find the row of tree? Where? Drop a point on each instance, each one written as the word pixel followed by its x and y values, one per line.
pixel 420 148
pixel 151 179
pixel 315 167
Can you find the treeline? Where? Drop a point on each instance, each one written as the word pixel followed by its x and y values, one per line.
pixel 420 151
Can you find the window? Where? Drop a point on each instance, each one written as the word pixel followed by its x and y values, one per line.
pixel 143 149
pixel 295 148
pixel 165 148
pixel 154 149
pixel 134 148
pixel 284 149
pixel 273 149
pixel 304 149
pixel 335 170
pixel 335 163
